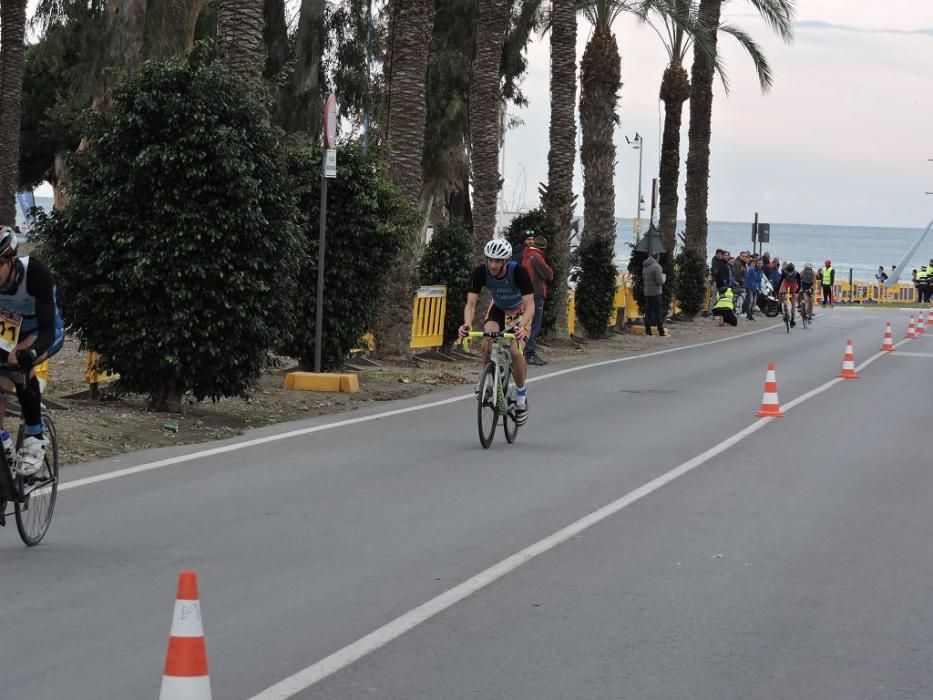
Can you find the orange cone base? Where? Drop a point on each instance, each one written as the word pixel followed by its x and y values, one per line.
pixel 770 412
pixel 848 374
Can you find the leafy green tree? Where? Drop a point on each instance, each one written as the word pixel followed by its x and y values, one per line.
pixel 690 283
pixel 596 289
pixel 448 260
pixel 177 253
pixel 367 224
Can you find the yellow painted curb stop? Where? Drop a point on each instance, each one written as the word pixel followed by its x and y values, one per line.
pixel 311 381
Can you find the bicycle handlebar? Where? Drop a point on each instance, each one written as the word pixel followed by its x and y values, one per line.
pixel 483 334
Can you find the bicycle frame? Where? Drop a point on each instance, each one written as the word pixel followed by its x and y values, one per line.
pixel 500 355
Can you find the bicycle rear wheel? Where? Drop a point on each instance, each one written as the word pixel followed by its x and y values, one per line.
pixel 34 514
pixel 509 426
pixel 487 415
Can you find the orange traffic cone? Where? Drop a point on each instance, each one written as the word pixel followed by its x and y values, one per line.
pixel 848 363
pixel 185 676
pixel 888 344
pixel 929 315
pixel 910 329
pixel 920 329
pixel 770 406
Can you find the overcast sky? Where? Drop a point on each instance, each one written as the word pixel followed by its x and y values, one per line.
pixel 844 136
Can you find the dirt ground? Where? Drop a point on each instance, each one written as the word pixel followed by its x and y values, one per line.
pixel 89 430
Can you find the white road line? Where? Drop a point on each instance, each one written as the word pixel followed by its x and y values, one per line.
pixel 304 679
pixel 210 452
pixel 913 354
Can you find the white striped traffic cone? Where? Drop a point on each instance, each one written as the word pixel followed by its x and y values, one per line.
pixel 920 330
pixel 929 315
pixel 888 344
pixel 770 405
pixel 185 676
pixel 910 329
pixel 848 363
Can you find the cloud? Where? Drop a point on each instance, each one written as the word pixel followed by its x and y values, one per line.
pixel 816 24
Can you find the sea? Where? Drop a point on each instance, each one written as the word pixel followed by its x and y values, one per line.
pixel 860 249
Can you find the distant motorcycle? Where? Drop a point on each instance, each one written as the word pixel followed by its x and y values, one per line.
pixel 767 301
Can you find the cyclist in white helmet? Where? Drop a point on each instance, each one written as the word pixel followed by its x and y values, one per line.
pixel 513 307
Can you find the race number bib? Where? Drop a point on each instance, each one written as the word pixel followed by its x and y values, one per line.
pixel 10 324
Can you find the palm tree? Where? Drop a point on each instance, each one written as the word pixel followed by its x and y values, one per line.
pixel 240 44
pixel 779 15
pixel 411 23
pixel 12 61
pixel 676 24
pixel 557 195
pixel 492 25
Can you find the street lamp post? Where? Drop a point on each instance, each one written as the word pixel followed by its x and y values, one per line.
pixel 637 143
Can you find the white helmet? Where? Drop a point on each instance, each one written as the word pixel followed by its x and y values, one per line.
pixel 8 241
pixel 498 249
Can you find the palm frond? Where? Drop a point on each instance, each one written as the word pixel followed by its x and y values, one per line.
pixel 765 76
pixel 779 14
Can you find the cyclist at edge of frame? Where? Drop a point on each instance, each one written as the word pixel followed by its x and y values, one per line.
pixel 807 282
pixel 512 295
pixel 31 331
pixel 790 285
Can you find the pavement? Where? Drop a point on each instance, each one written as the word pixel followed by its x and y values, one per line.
pixel 647 537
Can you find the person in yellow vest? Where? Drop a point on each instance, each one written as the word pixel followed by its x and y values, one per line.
pixel 827 277
pixel 923 284
pixel 725 307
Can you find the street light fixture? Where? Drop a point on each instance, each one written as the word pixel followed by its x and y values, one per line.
pixel 637 143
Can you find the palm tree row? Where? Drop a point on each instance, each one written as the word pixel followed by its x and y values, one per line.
pixel 242 39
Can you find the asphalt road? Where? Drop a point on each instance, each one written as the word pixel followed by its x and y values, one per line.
pixel 792 562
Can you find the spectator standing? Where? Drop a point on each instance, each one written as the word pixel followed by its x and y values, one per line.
pixel 541 274
pixel 752 285
pixel 653 278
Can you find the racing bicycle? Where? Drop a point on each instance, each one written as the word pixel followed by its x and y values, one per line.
pixel 495 397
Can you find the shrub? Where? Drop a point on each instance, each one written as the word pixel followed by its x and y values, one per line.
pixel 596 289
pixel 448 260
pixel 691 282
pixel 367 223
pixel 177 253
pixel 538 221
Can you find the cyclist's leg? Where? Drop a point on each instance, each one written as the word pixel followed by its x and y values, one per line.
pixel 494 323
pixel 30 400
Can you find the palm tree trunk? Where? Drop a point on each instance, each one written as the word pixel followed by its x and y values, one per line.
pixel 557 196
pixel 240 43
pixel 304 112
pixel 600 79
pixel 701 115
pixel 12 59
pixel 675 90
pixel 492 23
pixel 170 26
pixel 411 23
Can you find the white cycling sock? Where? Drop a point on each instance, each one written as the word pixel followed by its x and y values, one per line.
pixel 521 395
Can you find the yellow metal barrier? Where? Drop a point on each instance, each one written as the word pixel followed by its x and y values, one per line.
pixel 572 312
pixel 427 323
pixel 42 374
pixel 91 375
pixel 619 302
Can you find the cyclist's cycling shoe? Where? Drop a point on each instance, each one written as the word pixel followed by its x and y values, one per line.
pixel 521 414
pixel 32 455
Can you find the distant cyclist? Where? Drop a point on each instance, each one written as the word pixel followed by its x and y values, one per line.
pixel 807 282
pixel 513 307
pixel 790 286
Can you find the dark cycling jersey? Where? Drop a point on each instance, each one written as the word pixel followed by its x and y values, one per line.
pixel 507 292
pixel 791 282
pixel 32 306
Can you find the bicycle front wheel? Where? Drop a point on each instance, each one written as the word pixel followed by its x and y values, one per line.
pixel 509 426
pixel 487 413
pixel 40 490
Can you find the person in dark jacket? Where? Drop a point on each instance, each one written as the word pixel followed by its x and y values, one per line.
pixel 541 274
pixel 653 278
